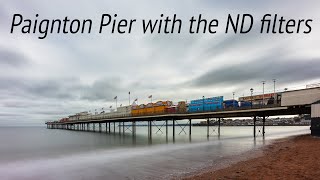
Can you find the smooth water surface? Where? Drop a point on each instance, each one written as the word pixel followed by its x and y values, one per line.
pixel 40 153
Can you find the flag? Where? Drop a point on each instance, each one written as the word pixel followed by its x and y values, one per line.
pixel 115 97
pixel 120 105
pixel 136 100
pixel 129 92
pixel 150 96
pixel 110 107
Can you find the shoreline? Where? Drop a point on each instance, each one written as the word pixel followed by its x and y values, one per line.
pixel 295 157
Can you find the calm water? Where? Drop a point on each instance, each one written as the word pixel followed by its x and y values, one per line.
pixel 40 153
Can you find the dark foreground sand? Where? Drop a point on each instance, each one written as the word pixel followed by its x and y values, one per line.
pixel 294 158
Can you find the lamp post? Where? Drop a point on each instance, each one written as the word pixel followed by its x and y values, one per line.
pixel 274 91
pixel 263 83
pixel 274 85
pixel 203 103
pixel 251 96
pixel 233 99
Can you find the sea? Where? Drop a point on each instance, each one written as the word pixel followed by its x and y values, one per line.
pixel 40 153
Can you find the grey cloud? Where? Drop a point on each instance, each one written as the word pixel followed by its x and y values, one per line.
pixel 60 88
pixel 288 70
pixel 9 114
pixel 67 89
pixel 9 58
pixel 147 64
pixel 103 89
pixel 230 42
pixel 167 47
pixel 15 104
pixel 64 89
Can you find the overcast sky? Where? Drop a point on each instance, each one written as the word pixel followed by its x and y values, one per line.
pixel 63 74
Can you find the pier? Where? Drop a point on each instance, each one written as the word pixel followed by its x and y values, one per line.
pixel 110 125
pixel 293 103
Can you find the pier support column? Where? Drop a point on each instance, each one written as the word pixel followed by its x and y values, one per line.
pixel 173 129
pixel 106 127
pixel 123 130
pixel 190 127
pixel 94 127
pixel 109 127
pixel 208 128
pixel 133 128
pixel 149 132
pixel 120 128
pixel 167 130
pixel 100 127
pixel 150 129
pixel 114 127
pixel 254 126
pixel 219 123
pixel 263 125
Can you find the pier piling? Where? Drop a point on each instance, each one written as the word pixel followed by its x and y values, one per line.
pixel 263 125
pixel 190 127
pixel 254 126
pixel 208 128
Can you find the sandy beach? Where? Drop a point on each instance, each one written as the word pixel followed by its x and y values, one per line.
pixel 292 158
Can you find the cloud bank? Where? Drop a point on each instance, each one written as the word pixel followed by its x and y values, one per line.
pixel 48 79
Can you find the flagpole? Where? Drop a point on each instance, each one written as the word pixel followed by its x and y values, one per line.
pixel 129 98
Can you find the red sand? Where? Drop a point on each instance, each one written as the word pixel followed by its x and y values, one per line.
pixel 295 158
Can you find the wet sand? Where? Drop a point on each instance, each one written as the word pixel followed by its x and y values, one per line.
pixel 292 158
